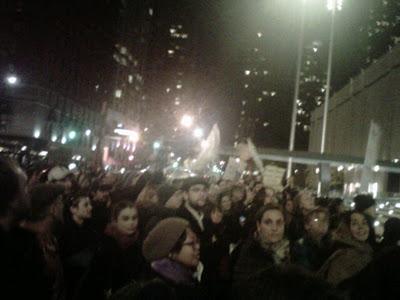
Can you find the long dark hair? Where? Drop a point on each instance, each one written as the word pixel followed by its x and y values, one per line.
pixel 120 206
pixel 346 220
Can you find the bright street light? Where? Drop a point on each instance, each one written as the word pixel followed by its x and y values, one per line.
pixel 187 121
pixel 156 145
pixel 72 135
pixel 12 79
pixel 198 133
pixel 335 4
pixel 88 132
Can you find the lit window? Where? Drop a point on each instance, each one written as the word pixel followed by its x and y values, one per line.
pixel 243 112
pixel 259 99
pixel 118 93
pixel 171 52
pixel 96 87
pixel 265 124
pixel 151 11
pixel 246 86
pixel 130 78
pixel 184 35
pixel 172 30
pixel 179 86
pixel 247 72
pixel 265 93
pixel 167 90
pixel 265 72
pixel 315 49
pixel 259 34
pixel 244 103
pixel 273 93
pixel 177 102
pixel 255 49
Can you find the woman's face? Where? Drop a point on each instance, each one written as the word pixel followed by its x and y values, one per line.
pixel 189 255
pixel 272 226
pixel 127 221
pixel 84 209
pixel 226 203
pixel 359 227
pixel 289 207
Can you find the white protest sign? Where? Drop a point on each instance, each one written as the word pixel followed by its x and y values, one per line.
pixel 272 177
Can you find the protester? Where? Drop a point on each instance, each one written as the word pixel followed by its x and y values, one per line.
pixel 391 233
pixel 173 250
pixel 304 202
pixel 101 206
pixel 119 259
pixel 266 247
pixel 195 194
pixel 78 241
pixel 353 249
pixel 365 204
pixel 312 250
pixel 61 175
pixel 46 211
pixel 22 265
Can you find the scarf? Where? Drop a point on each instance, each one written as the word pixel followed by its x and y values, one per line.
pixel 280 251
pixel 173 271
pixel 123 240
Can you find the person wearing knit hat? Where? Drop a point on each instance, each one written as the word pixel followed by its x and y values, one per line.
pixel 173 250
pixel 365 203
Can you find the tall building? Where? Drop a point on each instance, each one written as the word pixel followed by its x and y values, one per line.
pixel 382 29
pixel 256 87
pixel 311 90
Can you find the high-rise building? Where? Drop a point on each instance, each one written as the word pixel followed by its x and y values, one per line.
pixel 255 87
pixel 382 29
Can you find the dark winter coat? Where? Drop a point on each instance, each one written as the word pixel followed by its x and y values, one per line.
pixel 22 267
pixel 115 264
pixel 184 213
pixel 252 259
pixel 78 244
pixel 309 255
pixel 350 258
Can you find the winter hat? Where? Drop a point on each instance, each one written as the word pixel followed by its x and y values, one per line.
pixel 363 202
pixel 163 237
pixel 43 195
pixel 58 173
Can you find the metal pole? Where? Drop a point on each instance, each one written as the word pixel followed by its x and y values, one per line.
pixel 328 81
pixel 296 89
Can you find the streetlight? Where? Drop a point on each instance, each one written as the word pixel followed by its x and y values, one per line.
pixel 187 121
pixel 300 47
pixel 156 145
pixel 333 6
pixel 198 133
pixel 72 135
pixel 12 79
pixel 88 132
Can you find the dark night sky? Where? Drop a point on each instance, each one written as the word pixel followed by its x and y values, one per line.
pixel 235 23
pixel 223 29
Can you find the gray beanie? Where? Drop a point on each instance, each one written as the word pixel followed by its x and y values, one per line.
pixel 163 237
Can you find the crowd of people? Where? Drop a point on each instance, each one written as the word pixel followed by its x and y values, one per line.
pixel 98 235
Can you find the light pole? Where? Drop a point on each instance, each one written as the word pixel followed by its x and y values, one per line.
pixel 333 6
pixel 296 88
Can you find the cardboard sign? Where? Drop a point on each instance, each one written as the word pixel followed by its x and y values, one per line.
pixel 272 177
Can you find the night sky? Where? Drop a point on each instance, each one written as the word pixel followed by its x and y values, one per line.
pixel 44 50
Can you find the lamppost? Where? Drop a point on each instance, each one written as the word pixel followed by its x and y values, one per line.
pixel 300 48
pixel 333 6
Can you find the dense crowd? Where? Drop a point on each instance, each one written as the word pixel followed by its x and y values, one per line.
pixel 98 235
